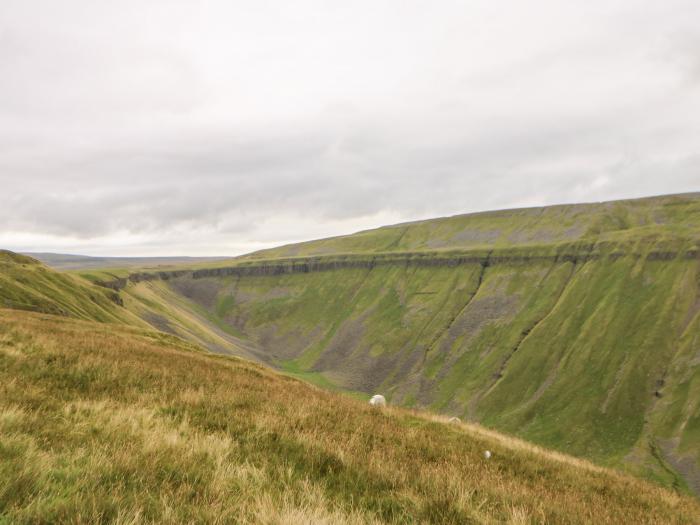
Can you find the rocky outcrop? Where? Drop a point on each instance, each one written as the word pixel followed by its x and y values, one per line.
pixel 579 253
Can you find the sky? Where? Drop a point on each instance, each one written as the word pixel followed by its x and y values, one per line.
pixel 166 127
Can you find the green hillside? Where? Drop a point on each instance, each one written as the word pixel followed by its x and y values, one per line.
pixel 584 343
pixel 26 284
pixel 672 219
pixel 577 327
pixel 107 424
pixel 591 358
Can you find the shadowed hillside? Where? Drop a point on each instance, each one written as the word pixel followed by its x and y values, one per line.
pixel 101 423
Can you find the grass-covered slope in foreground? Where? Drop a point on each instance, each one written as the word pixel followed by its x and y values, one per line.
pixel 100 423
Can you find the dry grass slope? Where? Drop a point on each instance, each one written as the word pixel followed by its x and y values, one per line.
pixel 104 423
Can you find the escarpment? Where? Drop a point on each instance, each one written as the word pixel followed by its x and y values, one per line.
pixel 580 253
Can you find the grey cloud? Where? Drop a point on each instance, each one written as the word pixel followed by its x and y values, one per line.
pixel 161 134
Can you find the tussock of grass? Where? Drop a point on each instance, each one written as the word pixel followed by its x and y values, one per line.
pixel 102 423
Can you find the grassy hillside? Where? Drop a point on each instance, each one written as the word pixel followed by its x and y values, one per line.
pixel 591 358
pixel 670 219
pixel 577 327
pixel 26 284
pixel 582 342
pixel 173 313
pixel 105 423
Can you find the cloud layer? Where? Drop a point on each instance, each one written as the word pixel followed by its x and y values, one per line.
pixel 220 127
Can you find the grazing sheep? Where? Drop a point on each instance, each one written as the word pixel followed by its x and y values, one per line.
pixel 455 420
pixel 487 454
pixel 377 401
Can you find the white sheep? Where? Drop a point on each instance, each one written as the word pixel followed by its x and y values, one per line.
pixel 377 401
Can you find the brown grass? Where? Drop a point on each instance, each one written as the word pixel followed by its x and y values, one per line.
pixel 100 423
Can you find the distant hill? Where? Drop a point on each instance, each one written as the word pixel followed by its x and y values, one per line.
pixel 62 261
pixel 672 219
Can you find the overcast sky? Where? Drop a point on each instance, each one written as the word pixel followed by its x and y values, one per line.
pixel 168 127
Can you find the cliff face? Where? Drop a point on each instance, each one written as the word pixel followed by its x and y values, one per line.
pixel 580 253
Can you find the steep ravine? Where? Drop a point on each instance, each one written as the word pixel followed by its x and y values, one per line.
pixel 563 346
